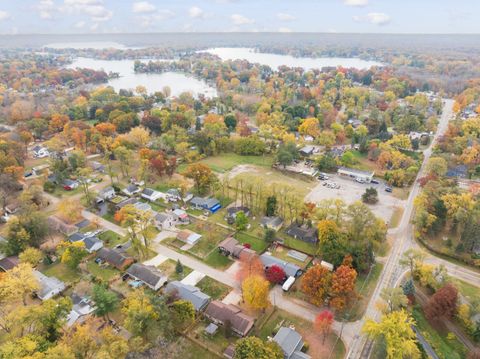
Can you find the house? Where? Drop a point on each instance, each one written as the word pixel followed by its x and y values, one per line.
pixel 460 171
pixel 56 224
pixel 173 195
pixel 150 275
pixel 165 220
pixel 97 166
pixel 114 258
pixel 211 204
pixel 151 195
pixel 81 309
pixel 290 269
pixel 273 222
pixel 307 151
pixel 220 313
pixel 131 190
pixel 142 206
pixel 291 343
pixel 70 185
pixel 49 286
pixel 106 193
pixel 182 216
pixel 124 201
pixel 8 263
pixel 93 244
pixel 231 247
pixel 76 237
pixel 188 236
pixel 365 176
pixel 303 233
pixel 232 213
pixel 188 292
pixel 40 152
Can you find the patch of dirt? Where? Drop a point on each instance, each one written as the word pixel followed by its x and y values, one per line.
pixel 241 169
pixel 317 349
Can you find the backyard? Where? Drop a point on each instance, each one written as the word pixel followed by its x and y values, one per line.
pixel 213 288
pixel 168 268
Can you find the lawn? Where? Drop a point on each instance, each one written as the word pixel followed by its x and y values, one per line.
pixel 217 260
pixel 297 244
pixel 282 253
pixel 168 267
pixel 364 286
pixel 111 239
pixel 396 217
pixel 470 292
pixel 62 272
pixel 227 161
pixel 60 192
pixel 104 273
pixel 150 254
pixel 212 235
pixel 257 244
pixel 444 347
pixel 213 288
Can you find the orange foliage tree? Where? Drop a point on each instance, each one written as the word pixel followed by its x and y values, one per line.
pixel 343 284
pixel 316 284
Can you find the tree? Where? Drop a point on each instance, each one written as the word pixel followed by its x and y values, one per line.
pixel 201 175
pixel 316 284
pixel 105 301
pixel 255 292
pixel 396 329
pixel 328 231
pixel 230 122
pixel 183 313
pixel 72 253
pixel 31 256
pixel 442 304
pixel 284 157
pixel 68 210
pixel 18 239
pixel 179 267
pixel 409 290
pixel 17 283
pixel 124 156
pixel 437 166
pixel 310 127
pixel 323 323
pixel 370 196
pixel 327 163
pixel 140 314
pixel 343 284
pixel 269 235
pixel 255 348
pixel 411 258
pixel 249 266
pixel 395 298
pixel 241 221
pixel 271 207
pixel 275 274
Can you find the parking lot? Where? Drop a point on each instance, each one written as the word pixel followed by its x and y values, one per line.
pixel 351 191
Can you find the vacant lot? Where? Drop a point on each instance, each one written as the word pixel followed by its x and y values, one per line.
pixel 351 191
pixel 227 161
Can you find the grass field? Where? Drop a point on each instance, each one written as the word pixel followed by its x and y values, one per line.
pixel 218 260
pixel 227 161
pixel 211 236
pixel 168 267
pixel 257 244
pixel 104 273
pixel 444 347
pixel 111 239
pixel 62 272
pixel 396 217
pixel 282 253
pixel 213 288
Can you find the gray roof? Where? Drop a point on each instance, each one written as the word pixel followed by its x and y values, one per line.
pixel 106 190
pixel 8 263
pixel 90 242
pixel 198 201
pixel 290 269
pixel 307 149
pixel 47 284
pixel 271 221
pixel 69 182
pixel 147 274
pixel 303 233
pixel 188 292
pixel 289 340
pixel 148 191
pixel 131 188
pixel 112 256
pixel 355 171
pixel 76 237
pixel 162 216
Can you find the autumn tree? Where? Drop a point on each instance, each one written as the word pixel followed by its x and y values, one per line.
pixel 343 284
pixel 316 283
pixel 396 329
pixel 72 253
pixel 437 166
pixel 443 304
pixel 254 348
pixel 183 313
pixel 140 313
pixel 18 239
pixel 69 210
pixel 394 298
pixel 18 283
pixel 275 274
pixel 411 258
pixel 310 126
pixel 105 301
pixel 323 323
pixel 201 175
pixel 31 256
pixel 249 266
pixel 255 291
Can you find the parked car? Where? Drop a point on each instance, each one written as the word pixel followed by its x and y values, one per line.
pixel 373 181
pixel 389 189
pixel 360 180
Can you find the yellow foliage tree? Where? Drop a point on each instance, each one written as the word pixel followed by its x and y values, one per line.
pixel 255 292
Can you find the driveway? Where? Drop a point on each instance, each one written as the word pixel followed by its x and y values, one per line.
pixel 156 261
pixel 193 278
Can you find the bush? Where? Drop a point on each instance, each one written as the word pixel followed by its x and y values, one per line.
pixel 49 187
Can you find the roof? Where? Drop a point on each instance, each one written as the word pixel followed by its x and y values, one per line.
pixel 303 233
pixel 234 210
pixel 69 182
pixel 47 284
pixel 187 235
pixel 131 188
pixel 76 237
pixel 355 171
pixel 307 149
pixel 8 263
pixel 289 340
pixel 162 217
pixel 458 171
pixel 112 256
pixel 148 191
pixel 236 249
pixel 90 242
pixel 141 206
pixel 222 312
pixel 211 329
pixel 106 190
pixel 188 292
pixel 173 192
pixel 147 274
pixel 180 213
pixel 82 224
pixel 38 148
pixel 290 269
pixel 198 201
pixel 271 221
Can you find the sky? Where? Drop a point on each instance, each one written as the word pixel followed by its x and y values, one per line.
pixel 342 16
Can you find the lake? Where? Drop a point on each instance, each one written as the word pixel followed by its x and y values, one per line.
pixel 275 61
pixel 128 79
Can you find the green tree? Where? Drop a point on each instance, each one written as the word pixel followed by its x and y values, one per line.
pixel 241 221
pixel 31 256
pixel 395 298
pixel 411 258
pixel 370 196
pixel 183 313
pixel 179 267
pixel 105 301
pixel 269 235
pixel 327 163
pixel 271 209
pixel 255 348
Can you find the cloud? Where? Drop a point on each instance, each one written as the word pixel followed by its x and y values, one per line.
pixel 358 3
pixel 284 29
pixel 285 17
pixel 376 18
pixel 238 19
pixel 4 15
pixel 46 9
pixel 196 13
pixel 142 7
pixel 150 19
pixel 79 24
pixel 92 8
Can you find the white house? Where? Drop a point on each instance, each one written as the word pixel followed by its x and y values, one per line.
pixel 151 195
pixel 92 244
pixel 150 275
pixel 165 220
pixel 82 307
pixel 107 193
pixel 188 236
pixel 365 176
pixel 40 152
pixel 49 286
pixel 131 189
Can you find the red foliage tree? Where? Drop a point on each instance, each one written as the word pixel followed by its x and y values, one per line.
pixel 159 164
pixel 443 303
pixel 323 323
pixel 275 274
pixel 343 284
pixel 249 265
